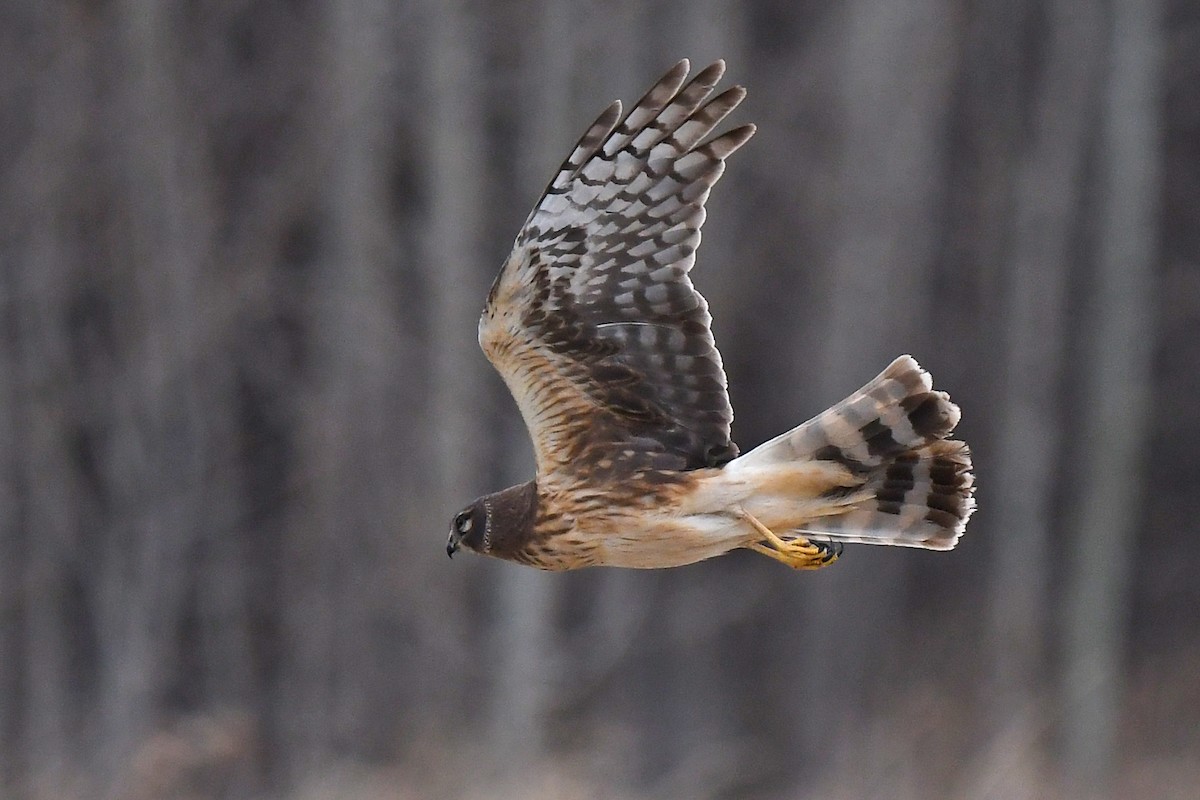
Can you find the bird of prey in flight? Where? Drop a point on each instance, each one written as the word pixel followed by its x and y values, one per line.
pixel 596 328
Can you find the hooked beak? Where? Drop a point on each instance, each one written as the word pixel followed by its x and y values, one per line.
pixel 453 544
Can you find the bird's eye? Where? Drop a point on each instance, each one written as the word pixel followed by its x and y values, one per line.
pixel 463 522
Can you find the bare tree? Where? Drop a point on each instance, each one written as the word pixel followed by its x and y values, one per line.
pixel 1117 409
pixel 1045 218
pixel 336 551
pixel 40 525
pixel 168 414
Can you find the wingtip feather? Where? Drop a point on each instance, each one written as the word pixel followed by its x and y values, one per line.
pixel 711 74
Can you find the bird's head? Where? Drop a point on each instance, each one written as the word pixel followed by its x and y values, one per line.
pixel 470 529
pixel 498 524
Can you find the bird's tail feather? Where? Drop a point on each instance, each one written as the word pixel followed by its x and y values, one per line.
pixel 900 481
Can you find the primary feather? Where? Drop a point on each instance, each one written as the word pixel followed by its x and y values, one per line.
pixel 593 322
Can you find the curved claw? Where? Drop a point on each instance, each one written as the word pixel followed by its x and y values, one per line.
pixel 797 553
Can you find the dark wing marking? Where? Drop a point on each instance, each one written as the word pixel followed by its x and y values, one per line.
pixel 593 321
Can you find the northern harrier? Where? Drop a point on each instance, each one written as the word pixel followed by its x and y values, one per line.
pixel 595 327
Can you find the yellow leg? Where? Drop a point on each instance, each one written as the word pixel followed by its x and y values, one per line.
pixel 798 553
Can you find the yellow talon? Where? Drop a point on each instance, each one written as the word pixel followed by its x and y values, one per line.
pixel 797 553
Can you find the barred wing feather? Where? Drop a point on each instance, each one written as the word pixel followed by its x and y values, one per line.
pixel 593 321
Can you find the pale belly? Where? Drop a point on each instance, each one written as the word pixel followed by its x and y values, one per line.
pixel 701 523
pixel 708 520
pixel 705 519
pixel 661 543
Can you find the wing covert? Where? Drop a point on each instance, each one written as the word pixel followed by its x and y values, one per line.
pixel 593 321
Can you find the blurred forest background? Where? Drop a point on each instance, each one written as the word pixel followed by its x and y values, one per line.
pixel 243 246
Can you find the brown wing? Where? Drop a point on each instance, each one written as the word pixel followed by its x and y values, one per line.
pixel 593 321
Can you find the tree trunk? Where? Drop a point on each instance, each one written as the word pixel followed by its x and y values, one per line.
pixel 335 553
pixel 1045 209
pixel 1117 409
pixel 166 429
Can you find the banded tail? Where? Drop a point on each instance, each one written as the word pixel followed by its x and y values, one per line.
pixel 896 478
